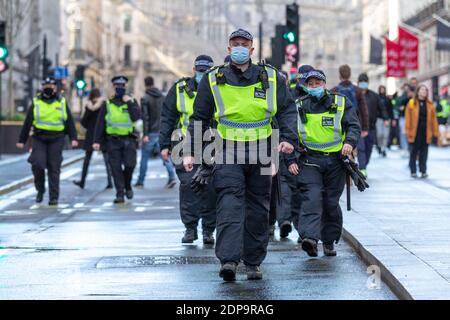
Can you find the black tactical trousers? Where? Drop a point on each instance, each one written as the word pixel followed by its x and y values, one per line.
pixel 243 202
pixel 122 159
pixel 47 154
pixel 86 163
pixel 288 209
pixel 321 182
pixel 194 207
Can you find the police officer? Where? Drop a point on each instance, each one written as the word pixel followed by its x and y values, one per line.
pixel 300 88
pixel 115 128
pixel 177 109
pixel 287 210
pixel 51 119
pixel 243 98
pixel 329 129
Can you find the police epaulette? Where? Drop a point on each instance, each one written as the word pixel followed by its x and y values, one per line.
pixel 182 80
pixel 217 68
pixel 264 64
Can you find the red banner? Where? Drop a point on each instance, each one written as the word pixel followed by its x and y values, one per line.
pixel 394 66
pixel 409 54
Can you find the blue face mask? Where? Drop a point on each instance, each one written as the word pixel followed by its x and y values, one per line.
pixel 199 76
pixel 240 55
pixel 317 92
pixel 364 85
pixel 120 92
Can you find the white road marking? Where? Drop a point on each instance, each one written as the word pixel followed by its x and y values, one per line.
pixel 31 191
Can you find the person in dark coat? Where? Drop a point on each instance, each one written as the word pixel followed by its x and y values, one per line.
pixel 89 121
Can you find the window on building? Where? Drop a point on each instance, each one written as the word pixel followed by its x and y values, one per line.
pixel 127 23
pixel 127 56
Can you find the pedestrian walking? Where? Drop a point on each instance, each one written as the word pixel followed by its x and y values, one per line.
pixel 384 120
pixel 329 129
pixel 89 121
pixel 50 118
pixel 355 96
pixel 151 105
pixel 177 110
pixel 421 126
pixel 115 129
pixel 408 94
pixel 243 98
pixel 376 110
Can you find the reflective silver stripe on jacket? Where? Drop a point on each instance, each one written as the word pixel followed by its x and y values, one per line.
pixel 183 104
pixel 340 102
pixel 50 124
pixel 127 125
pixel 245 125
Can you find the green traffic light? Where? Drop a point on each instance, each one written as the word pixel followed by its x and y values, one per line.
pixel 289 36
pixel 81 84
pixel 3 53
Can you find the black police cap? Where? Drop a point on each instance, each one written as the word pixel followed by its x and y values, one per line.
pixel 48 80
pixel 203 63
pixel 241 33
pixel 119 80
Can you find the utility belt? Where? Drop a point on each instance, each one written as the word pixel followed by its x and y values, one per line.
pixel 322 154
pixel 116 137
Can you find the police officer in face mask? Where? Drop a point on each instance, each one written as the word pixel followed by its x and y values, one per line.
pixel 177 110
pixel 243 98
pixel 51 119
pixel 115 128
pixel 329 130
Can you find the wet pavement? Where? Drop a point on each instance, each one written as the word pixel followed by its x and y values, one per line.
pixel 90 249
pixel 405 222
pixel 14 168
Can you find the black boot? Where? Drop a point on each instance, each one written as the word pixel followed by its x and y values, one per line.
pixel 190 236
pixel 310 247
pixel 53 202
pixel 208 238
pixel 120 199
pixel 40 197
pixel 328 250
pixel 254 273
pixel 285 229
pixel 129 194
pixel 228 271
pixel 79 184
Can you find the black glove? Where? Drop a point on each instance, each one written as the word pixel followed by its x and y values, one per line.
pixel 202 177
pixel 358 178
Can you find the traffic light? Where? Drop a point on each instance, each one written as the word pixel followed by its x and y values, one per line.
pixel 80 83
pixel 47 65
pixel 28 90
pixel 4 52
pixel 292 33
pixel 278 48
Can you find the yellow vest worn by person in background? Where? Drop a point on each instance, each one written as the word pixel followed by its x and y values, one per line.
pixel 118 121
pixel 50 116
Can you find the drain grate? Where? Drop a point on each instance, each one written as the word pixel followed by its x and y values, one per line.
pixel 149 261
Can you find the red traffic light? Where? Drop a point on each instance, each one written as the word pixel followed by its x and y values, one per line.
pixel 3 66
